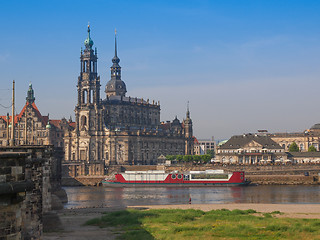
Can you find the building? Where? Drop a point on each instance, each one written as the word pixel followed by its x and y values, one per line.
pixel 202 146
pixel 250 149
pixel 118 129
pixel 31 127
pixel 303 139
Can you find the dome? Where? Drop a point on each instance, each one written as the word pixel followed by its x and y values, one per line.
pixel 316 126
pixel 88 42
pixel 116 87
pixel 48 126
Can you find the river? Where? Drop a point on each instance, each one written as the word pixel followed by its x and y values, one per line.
pixel 79 197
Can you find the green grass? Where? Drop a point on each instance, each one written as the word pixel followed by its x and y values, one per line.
pixel 216 224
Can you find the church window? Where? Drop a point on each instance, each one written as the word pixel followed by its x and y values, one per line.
pixel 82 155
pixel 91 96
pixel 85 66
pixel 85 96
pixel 83 121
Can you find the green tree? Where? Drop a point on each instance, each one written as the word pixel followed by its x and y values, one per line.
pixel 211 153
pixel 312 149
pixel 293 147
pixel 179 157
pixel 196 158
pixel 205 158
pixel 187 158
pixel 171 157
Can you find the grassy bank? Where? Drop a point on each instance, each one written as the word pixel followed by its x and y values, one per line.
pixel 216 224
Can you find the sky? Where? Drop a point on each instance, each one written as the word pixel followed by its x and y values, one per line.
pixel 243 65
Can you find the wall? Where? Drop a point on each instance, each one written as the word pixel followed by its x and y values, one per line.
pixel 26 180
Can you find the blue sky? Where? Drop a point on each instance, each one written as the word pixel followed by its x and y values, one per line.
pixel 243 65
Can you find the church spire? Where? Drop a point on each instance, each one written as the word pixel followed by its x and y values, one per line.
pixel 115 42
pixel 30 94
pixel 188 112
pixel 115 86
pixel 115 59
pixel 88 42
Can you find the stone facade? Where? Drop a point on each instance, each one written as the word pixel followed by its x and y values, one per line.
pixel 118 129
pixel 32 128
pixel 250 149
pixel 303 139
pixel 26 185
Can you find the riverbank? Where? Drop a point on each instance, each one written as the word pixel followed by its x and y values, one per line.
pixel 73 220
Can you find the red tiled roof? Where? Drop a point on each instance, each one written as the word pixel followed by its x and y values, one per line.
pixel 18 117
pixel 55 122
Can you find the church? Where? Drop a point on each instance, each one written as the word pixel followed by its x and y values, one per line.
pixel 118 129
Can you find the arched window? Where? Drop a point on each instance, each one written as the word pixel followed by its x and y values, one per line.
pixel 91 96
pixel 85 96
pixel 83 121
pixel 85 66
pixel 301 147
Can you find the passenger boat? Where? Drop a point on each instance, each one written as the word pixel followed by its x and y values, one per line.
pixel 175 178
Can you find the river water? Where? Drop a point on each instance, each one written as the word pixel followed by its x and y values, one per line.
pixel 79 197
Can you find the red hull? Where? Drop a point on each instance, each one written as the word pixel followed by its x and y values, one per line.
pixel 179 179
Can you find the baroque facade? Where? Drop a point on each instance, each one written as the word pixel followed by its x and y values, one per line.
pixel 118 129
pixel 31 127
pixel 303 139
pixel 250 149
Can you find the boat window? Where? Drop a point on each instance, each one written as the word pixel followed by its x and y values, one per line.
pixel 209 176
pixel 173 176
pixel 179 176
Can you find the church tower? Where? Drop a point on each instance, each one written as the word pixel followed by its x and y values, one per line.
pixel 188 133
pixel 115 87
pixel 88 107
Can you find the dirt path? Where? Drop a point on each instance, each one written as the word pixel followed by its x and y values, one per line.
pixel 74 229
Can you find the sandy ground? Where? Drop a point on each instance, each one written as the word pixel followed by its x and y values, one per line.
pixel 73 228
pixel 73 219
pixel 288 210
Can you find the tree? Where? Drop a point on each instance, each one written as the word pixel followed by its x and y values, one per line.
pixel 206 158
pixel 196 158
pixel 179 157
pixel 211 153
pixel 294 147
pixel 312 149
pixel 171 157
pixel 187 158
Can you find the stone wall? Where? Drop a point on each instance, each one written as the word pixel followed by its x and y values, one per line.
pixel 13 187
pixel 26 180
